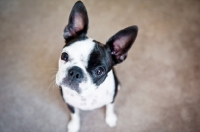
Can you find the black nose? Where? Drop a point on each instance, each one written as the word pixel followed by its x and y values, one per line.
pixel 75 74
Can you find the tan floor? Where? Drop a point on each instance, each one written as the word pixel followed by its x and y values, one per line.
pixel 160 78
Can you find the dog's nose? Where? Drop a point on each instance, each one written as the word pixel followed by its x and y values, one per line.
pixel 75 74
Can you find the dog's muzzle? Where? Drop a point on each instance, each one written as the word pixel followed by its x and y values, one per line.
pixel 74 77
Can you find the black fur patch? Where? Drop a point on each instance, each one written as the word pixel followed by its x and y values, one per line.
pixel 116 85
pixel 71 108
pixel 99 57
pixel 80 38
pixel 60 88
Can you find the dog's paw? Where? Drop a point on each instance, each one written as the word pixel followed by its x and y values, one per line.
pixel 73 126
pixel 111 120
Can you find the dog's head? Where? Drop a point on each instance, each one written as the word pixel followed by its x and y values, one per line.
pixel 84 63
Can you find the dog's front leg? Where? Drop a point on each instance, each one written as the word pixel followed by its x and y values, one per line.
pixel 111 117
pixel 74 123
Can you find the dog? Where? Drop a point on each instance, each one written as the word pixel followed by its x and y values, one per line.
pixel 85 71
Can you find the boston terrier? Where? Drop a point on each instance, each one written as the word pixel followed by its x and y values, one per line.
pixel 85 72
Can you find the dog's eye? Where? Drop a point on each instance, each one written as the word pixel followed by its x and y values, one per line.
pixel 99 71
pixel 64 56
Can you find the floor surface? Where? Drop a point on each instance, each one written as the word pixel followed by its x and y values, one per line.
pixel 160 78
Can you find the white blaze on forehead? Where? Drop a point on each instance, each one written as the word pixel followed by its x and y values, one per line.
pixel 79 51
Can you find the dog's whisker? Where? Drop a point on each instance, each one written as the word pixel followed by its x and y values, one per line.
pixel 53 77
pixel 53 71
pixel 53 82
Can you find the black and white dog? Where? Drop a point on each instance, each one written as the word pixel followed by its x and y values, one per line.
pixel 85 73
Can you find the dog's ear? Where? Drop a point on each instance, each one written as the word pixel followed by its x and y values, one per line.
pixel 121 42
pixel 78 22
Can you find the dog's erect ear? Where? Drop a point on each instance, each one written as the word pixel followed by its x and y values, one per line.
pixel 121 42
pixel 78 22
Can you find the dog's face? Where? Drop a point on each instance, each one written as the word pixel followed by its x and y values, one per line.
pixel 83 65
pixel 84 62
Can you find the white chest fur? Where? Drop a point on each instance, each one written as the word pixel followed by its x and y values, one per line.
pixel 101 96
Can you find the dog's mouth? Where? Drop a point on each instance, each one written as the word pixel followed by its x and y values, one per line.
pixel 75 89
pixel 82 87
pixel 70 83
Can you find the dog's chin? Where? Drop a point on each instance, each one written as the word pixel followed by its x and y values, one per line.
pixel 81 91
pixel 86 93
pixel 87 89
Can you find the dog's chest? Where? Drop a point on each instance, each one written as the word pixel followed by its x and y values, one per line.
pixel 101 96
